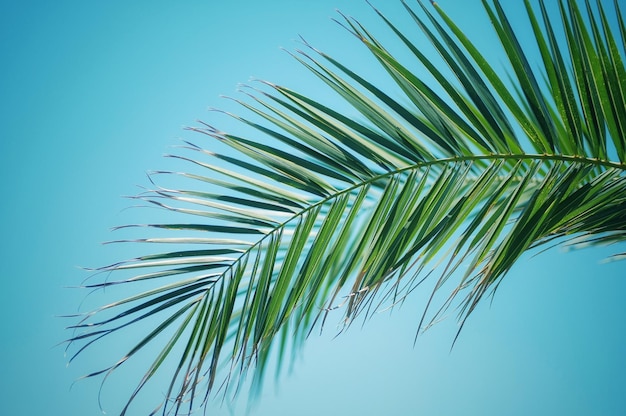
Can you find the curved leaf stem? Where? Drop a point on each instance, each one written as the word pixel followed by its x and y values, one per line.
pixel 593 162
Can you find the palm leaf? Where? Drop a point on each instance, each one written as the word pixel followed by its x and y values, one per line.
pixel 319 214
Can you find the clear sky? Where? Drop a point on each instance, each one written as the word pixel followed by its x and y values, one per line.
pixel 93 93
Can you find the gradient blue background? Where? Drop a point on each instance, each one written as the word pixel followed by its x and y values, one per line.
pixel 93 93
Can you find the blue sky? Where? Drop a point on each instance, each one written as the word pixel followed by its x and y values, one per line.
pixel 94 93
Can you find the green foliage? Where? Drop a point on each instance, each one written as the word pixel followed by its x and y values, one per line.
pixel 318 212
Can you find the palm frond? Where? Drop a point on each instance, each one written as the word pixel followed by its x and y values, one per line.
pixel 318 212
